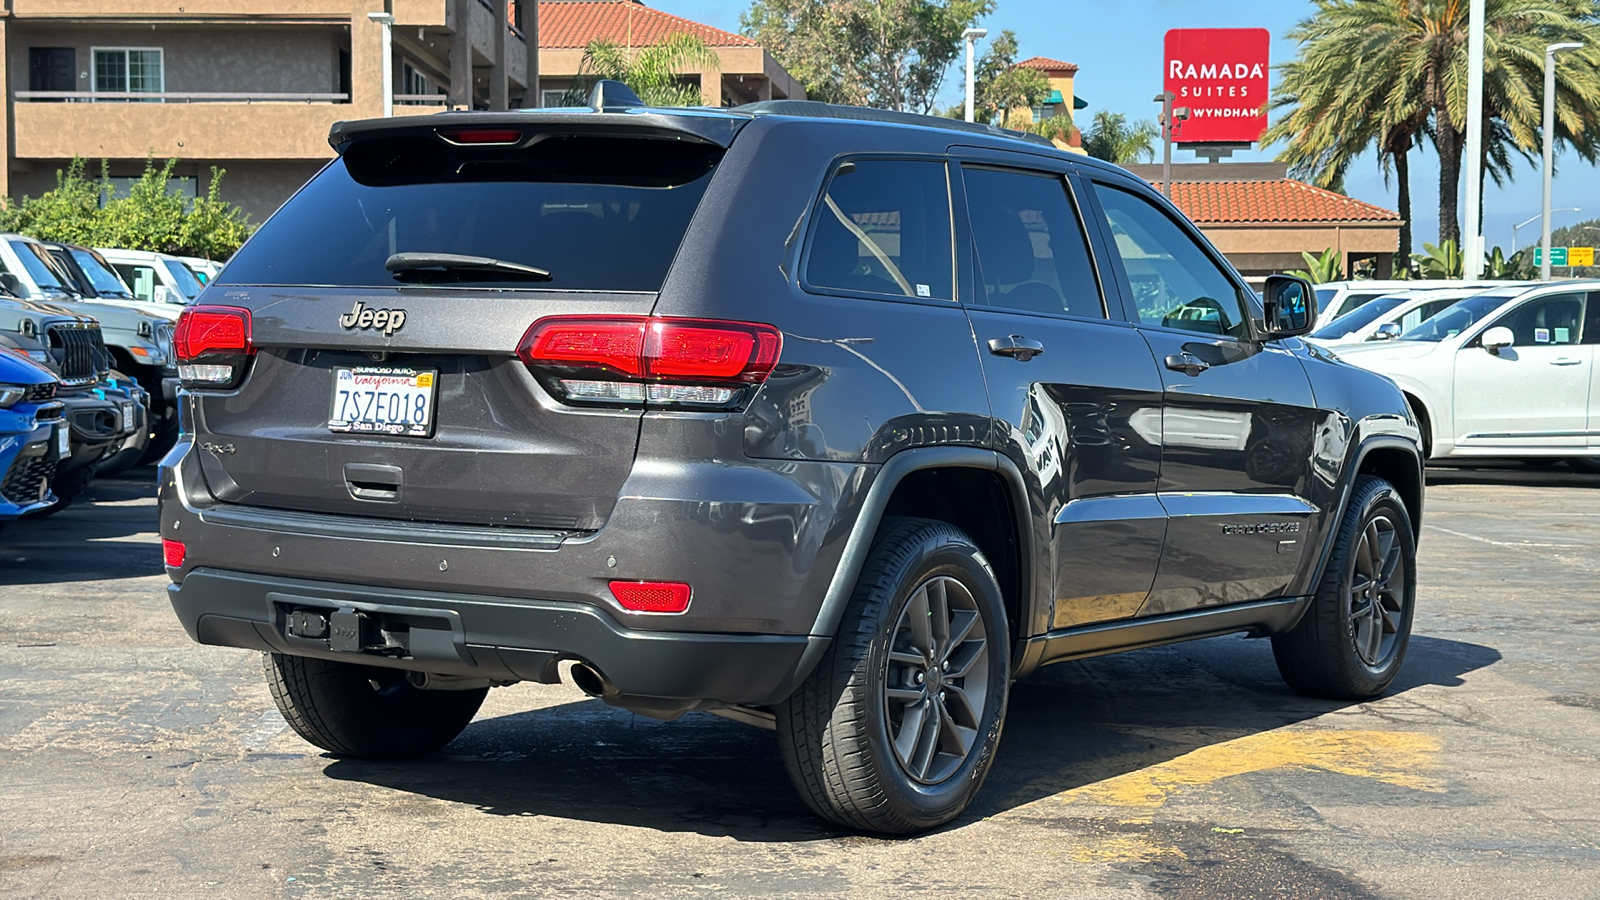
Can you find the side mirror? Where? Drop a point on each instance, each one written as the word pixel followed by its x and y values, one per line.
pixel 10 284
pixel 1291 306
pixel 1498 338
pixel 1388 331
pixel 164 294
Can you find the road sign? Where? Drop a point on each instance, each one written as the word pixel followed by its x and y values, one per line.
pixel 1558 256
pixel 1220 75
pixel 1579 256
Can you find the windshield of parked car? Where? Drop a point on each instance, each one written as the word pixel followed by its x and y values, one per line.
pixel 104 281
pixel 1354 321
pixel 598 213
pixel 183 278
pixel 36 260
pixel 1456 318
pixel 1325 296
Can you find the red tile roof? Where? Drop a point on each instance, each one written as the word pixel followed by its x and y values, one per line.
pixel 1286 200
pixel 1046 64
pixel 569 24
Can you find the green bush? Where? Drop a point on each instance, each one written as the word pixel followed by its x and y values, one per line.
pixel 151 217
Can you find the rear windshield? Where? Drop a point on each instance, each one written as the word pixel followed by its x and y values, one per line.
pixel 596 213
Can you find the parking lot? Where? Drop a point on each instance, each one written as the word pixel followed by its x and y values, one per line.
pixel 133 762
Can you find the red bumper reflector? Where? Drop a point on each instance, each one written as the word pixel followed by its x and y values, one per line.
pixel 652 596
pixel 212 329
pixel 172 552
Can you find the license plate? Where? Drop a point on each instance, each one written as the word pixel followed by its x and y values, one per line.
pixel 130 415
pixel 383 400
pixel 63 441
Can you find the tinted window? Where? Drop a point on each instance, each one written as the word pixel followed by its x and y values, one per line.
pixel 41 268
pixel 1175 282
pixel 1351 301
pixel 104 281
pixel 183 278
pixel 1456 318
pixel 884 228
pixel 1032 253
pixel 1351 322
pixel 597 213
pixel 1547 320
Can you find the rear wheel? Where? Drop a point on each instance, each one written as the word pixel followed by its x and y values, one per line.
pixel 366 711
pixel 896 728
pixel 1586 464
pixel 1351 642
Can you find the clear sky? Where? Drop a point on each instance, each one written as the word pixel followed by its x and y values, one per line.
pixel 1118 45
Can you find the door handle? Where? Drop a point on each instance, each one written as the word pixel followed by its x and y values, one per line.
pixel 1566 361
pixel 1015 346
pixel 1187 363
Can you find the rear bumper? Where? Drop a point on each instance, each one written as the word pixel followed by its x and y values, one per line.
pixel 474 636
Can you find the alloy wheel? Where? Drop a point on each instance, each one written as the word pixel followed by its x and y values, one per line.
pixel 1376 594
pixel 937 684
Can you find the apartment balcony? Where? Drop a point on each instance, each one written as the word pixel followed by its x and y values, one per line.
pixel 62 124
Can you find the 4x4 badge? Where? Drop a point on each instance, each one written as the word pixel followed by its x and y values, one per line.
pixel 386 320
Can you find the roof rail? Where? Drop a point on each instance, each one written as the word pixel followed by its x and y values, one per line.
pixel 815 109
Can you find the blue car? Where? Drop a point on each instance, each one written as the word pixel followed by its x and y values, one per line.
pixel 32 435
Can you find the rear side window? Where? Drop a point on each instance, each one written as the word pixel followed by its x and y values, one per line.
pixel 1032 251
pixel 597 213
pixel 883 227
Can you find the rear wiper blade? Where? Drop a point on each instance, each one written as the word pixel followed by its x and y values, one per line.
pixel 454 266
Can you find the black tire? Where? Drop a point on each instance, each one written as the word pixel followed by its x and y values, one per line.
pixel 1352 641
pixel 1589 465
pixel 837 732
pixel 66 486
pixel 366 712
pixel 163 438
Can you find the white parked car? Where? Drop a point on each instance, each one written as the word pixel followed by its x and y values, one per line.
pixel 1388 317
pixel 204 269
pixel 1507 373
pixel 154 276
pixel 1335 298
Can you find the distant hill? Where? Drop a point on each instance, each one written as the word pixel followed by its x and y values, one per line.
pixel 1583 234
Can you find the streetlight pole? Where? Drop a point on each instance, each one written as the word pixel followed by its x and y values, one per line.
pixel 1532 219
pixel 1550 142
pixel 1472 240
pixel 1170 118
pixel 971 35
pixel 387 21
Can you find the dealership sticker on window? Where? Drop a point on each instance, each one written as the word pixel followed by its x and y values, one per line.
pixel 924 291
pixel 1563 335
pixel 1541 335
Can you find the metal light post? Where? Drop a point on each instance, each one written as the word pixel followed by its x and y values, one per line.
pixel 1170 118
pixel 387 21
pixel 1472 240
pixel 1550 142
pixel 971 35
pixel 1532 219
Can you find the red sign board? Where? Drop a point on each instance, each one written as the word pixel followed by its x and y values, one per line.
pixel 1220 75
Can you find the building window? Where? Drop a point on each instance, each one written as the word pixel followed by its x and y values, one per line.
pixel 52 69
pixel 552 99
pixel 135 70
pixel 1043 113
pixel 415 84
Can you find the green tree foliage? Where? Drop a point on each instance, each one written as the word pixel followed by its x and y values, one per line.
pixel 1442 260
pixel 151 217
pixel 1321 269
pixel 1000 87
pixel 1113 138
pixel 1390 74
pixel 654 72
pixel 1516 267
pixel 890 54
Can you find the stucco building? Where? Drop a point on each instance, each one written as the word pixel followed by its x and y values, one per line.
pixel 252 86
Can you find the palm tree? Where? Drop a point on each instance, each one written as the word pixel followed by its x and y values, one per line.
pixel 654 72
pixel 1390 73
pixel 1112 139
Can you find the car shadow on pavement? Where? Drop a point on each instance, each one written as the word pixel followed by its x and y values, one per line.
pixel 1531 473
pixel 1070 725
pixel 91 540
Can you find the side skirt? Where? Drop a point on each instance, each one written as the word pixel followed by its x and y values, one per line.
pixel 1259 618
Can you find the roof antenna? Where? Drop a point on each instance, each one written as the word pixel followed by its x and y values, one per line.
pixel 608 94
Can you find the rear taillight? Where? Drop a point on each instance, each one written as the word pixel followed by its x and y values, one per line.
pixel 652 596
pixel 172 553
pixel 692 363
pixel 213 346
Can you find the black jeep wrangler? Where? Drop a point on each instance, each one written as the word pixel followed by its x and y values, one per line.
pixel 825 418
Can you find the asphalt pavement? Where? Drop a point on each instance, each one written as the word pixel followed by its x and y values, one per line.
pixel 135 763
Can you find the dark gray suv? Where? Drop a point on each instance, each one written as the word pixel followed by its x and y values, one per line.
pixel 827 419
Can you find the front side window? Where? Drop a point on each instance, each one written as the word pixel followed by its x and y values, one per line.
pixel 883 227
pixel 1032 252
pixel 104 281
pixel 141 278
pixel 1548 320
pixel 1175 282
pixel 128 70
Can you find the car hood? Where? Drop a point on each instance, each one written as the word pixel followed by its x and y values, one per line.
pixel 1371 353
pixel 111 318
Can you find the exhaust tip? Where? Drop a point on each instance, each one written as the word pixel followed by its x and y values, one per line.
pixel 588 680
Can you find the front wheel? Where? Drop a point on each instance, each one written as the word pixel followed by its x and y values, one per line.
pixel 366 712
pixel 1349 645
pixel 896 728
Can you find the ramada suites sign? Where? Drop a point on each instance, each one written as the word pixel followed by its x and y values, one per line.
pixel 1220 74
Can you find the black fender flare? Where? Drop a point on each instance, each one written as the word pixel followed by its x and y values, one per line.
pixel 893 471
